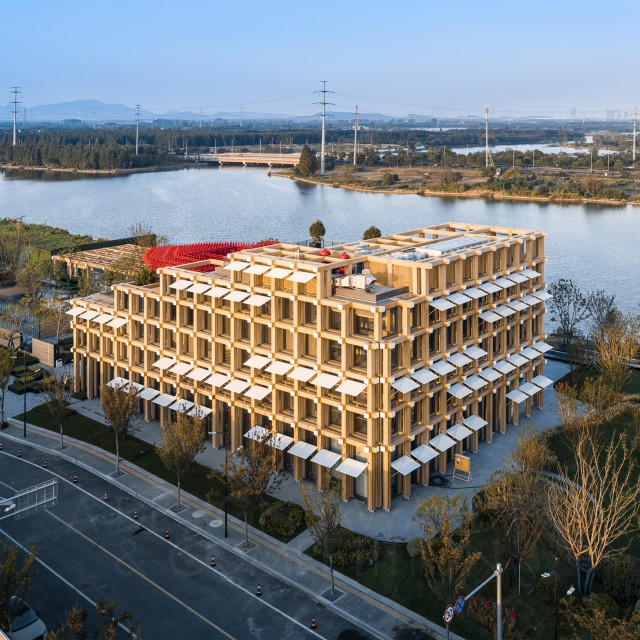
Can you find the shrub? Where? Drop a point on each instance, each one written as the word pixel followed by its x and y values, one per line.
pixel 621 579
pixel 545 587
pixel 353 550
pixel 483 611
pixel 282 518
pixel 602 602
pixel 413 547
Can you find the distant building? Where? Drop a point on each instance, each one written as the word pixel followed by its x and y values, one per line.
pixel 377 359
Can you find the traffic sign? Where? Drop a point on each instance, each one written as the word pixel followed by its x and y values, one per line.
pixel 459 605
pixel 448 614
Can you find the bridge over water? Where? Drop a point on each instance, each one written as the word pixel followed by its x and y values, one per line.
pixel 250 159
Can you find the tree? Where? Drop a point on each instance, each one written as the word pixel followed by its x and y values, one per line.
pixel 568 308
pixel 182 441
pixel 371 233
pixel 121 408
pixel 86 283
pixel 130 269
pixel 308 163
pixel 600 307
pixel 51 313
pixel 593 509
pixel 251 473
pixel 18 321
pixel 6 367
pixel 35 277
pixel 323 512
pixel 15 578
pixel 56 395
pixel 446 523
pixel 615 345
pixel 317 231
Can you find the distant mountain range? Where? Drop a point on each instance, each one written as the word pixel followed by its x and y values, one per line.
pixel 86 110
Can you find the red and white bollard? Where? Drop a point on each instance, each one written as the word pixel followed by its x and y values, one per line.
pixel 75 479
pixel 45 464
pixel 313 622
pixel 135 515
pixel 259 591
pixel 19 453
pixel 167 535
pixel 213 561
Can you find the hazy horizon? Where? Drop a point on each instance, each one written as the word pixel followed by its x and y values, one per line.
pixel 544 59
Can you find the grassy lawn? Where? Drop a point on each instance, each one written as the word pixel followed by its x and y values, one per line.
pixel 202 482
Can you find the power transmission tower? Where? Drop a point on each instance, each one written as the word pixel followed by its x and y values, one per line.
pixel 137 125
pixel 635 111
pixel 488 160
pixel 323 92
pixel 201 117
pixel 16 91
pixel 355 137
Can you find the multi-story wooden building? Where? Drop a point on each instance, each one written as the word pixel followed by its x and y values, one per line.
pixel 379 359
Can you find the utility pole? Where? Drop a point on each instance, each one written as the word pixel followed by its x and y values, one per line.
pixel 16 91
pixel 137 125
pixel 355 137
pixel 486 135
pixel 635 111
pixel 324 104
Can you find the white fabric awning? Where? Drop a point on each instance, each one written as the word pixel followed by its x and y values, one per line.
pixel 257 300
pixel 148 393
pixel 164 399
pixel 504 283
pixel 75 311
pixel 530 300
pixel 303 374
pixel 530 273
pixel 442 442
pixel 459 432
pixel 236 266
pixel 517 360
pixel 517 305
pixel 475 352
pixel 90 315
pixel 181 368
pixel 458 298
pixel 237 296
pixel 118 383
pixel 489 316
pixel 237 386
pixel 164 363
pixel 530 354
pixel 458 360
pixel 442 368
pixel 326 458
pixel 199 287
pixel 302 277
pixel 517 396
pixel 475 293
pixel 351 387
pixel 504 311
pixel 103 318
pixel 326 380
pixel 517 277
pixel 459 391
pixel 278 273
pixel 179 285
pixel 475 382
pixel 352 467
pixel 405 385
pixel 489 374
pixel 474 422
pixel 279 441
pixel 542 347
pixel 442 304
pixel 257 392
pixel 199 412
pixel 136 386
pixel 199 374
pixel 217 292
pixel 504 367
pixel 279 368
pixel 489 287
pixel 257 362
pixel 116 323
pixel 302 449
pixel 542 381
pixel 405 465
pixel 218 379
pixel 529 388
pixel 257 433
pixel 258 269
pixel 542 295
pixel 424 453
pixel 181 405
pixel 424 376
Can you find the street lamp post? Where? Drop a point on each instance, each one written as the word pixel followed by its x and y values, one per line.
pixel 23 346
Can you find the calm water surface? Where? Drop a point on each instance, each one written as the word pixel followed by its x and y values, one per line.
pixel 596 246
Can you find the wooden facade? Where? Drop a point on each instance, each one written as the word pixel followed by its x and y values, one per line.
pixel 370 371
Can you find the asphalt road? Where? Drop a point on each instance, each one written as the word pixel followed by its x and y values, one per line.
pixel 91 549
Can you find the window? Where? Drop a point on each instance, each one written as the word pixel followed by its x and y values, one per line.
pixel 308 313
pixel 286 309
pixel 467 325
pixel 452 334
pixel 434 405
pixel 417 413
pixel 224 325
pixel 204 321
pixel 334 416
pixel 223 354
pixel 263 335
pixel 396 356
pixel 359 357
pixel 415 316
pixel 286 402
pixel 396 422
pixel 188 316
pixel 391 322
pixel 169 339
pixel 310 409
pixel 154 334
pixel 154 308
pixel 244 330
pixel 363 325
pixel 417 349
pixel 169 312
pixel 124 300
pixel 335 351
pixel 335 322
pixel 360 424
pixel 284 340
pixel 308 346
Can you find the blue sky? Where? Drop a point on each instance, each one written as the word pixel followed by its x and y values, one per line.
pixel 446 58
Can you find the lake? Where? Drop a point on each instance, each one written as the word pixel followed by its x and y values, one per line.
pixel 597 246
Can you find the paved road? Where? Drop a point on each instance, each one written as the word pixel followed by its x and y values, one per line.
pixel 102 552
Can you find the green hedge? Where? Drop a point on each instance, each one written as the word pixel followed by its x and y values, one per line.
pixel 352 550
pixel 284 519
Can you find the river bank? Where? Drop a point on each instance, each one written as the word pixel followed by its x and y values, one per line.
pixel 95 172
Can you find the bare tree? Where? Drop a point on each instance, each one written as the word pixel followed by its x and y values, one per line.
pixel 568 308
pixel 600 307
pixel 6 367
pixel 615 345
pixel 182 441
pixel 593 509
pixel 18 321
pixel 121 409
pixel 35 278
pixel 252 472
pixel 56 394
pixel 323 511
pixel 51 313
pixel 446 523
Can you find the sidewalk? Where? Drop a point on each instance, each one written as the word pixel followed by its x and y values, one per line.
pixel 380 616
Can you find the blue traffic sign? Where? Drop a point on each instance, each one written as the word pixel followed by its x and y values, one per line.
pixel 459 605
